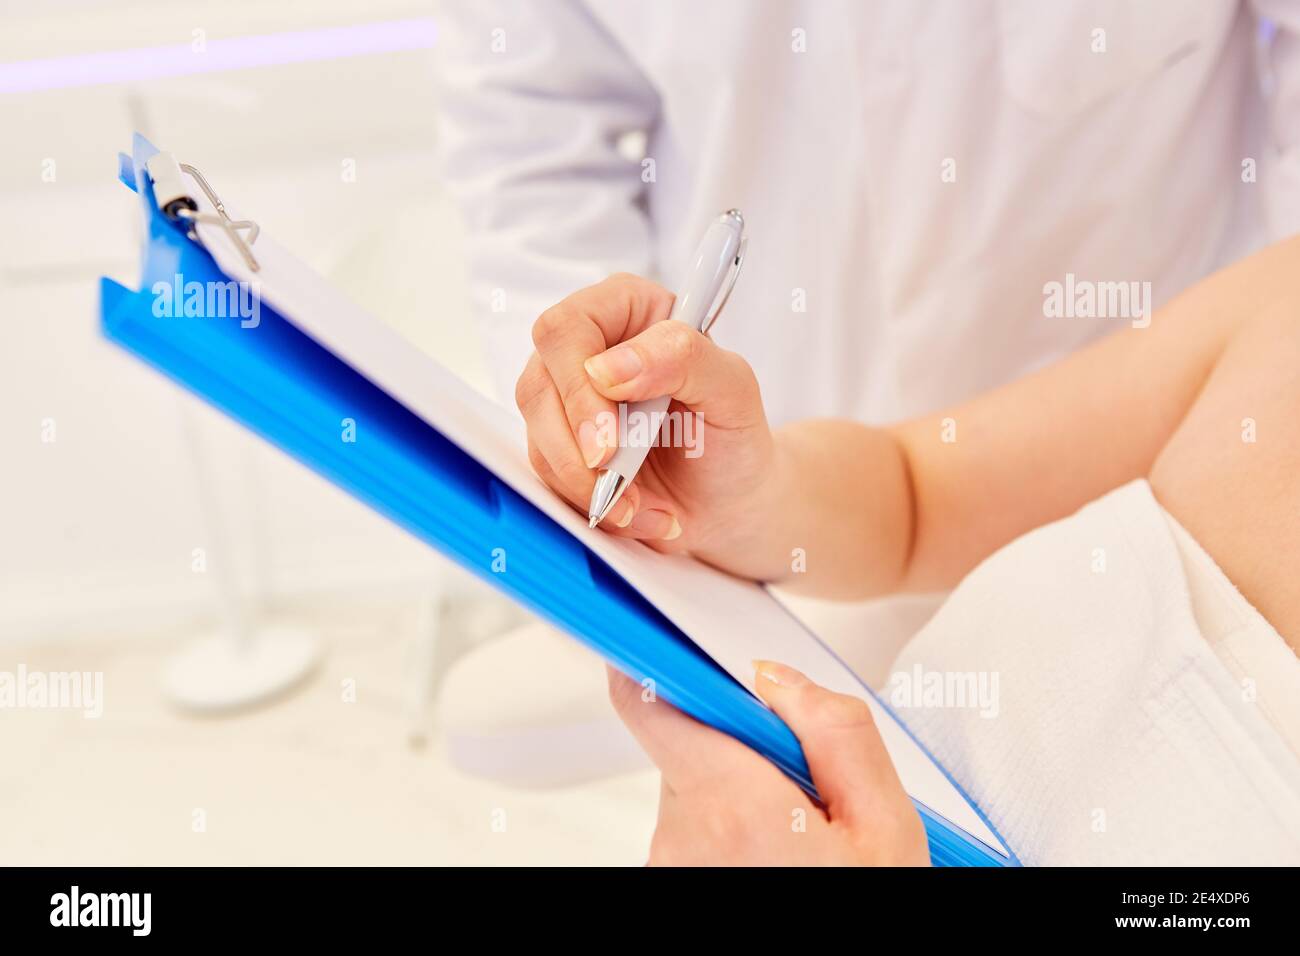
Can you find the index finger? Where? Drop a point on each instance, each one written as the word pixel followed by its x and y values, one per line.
pixel 586 324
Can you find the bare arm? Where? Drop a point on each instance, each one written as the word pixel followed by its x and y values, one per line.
pixel 879 510
pixel 838 509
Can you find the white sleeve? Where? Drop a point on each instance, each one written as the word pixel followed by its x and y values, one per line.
pixel 1279 168
pixel 535 95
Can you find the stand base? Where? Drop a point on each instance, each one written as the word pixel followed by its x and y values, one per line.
pixel 223 673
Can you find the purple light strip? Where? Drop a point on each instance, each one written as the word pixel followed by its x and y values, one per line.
pixel 236 53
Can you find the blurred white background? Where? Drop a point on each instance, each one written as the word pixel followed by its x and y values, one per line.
pixel 106 515
pixel 99 526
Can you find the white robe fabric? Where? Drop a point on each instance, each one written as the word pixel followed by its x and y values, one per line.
pixel 912 173
pixel 1117 735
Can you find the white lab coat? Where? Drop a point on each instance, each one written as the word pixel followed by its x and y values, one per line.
pixel 912 173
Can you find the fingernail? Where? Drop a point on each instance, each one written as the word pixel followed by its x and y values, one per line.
pixel 626 513
pixel 779 674
pixel 620 364
pixel 589 442
pixel 653 523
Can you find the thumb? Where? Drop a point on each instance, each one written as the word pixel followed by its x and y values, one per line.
pixel 850 766
pixel 671 358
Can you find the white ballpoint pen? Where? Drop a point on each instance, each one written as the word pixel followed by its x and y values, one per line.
pixel 699 301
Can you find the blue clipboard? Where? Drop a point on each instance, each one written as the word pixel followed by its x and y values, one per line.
pixel 284 386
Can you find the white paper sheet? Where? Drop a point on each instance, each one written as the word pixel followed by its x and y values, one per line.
pixel 734 621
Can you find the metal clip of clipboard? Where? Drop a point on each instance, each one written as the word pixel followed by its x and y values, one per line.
pixel 177 203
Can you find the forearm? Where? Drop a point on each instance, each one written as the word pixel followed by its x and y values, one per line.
pixel 854 512
pixel 840 522
pixel 916 506
pixel 1038 449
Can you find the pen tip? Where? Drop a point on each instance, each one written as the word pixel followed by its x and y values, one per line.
pixel 593 521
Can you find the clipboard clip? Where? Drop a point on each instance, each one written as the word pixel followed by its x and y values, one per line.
pixel 177 204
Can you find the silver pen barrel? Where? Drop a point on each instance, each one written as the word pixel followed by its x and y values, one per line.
pixel 610 486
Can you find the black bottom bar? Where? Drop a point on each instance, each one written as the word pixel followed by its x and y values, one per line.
pixel 337 906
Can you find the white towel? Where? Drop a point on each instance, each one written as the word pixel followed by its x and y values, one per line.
pixel 1116 735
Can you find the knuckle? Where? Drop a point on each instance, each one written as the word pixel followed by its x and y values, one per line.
pixel 537 460
pixel 643 289
pixel 680 341
pixel 550 328
pixel 529 388
pixel 573 474
pixel 574 391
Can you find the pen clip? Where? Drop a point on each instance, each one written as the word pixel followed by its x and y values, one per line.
pixel 733 275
